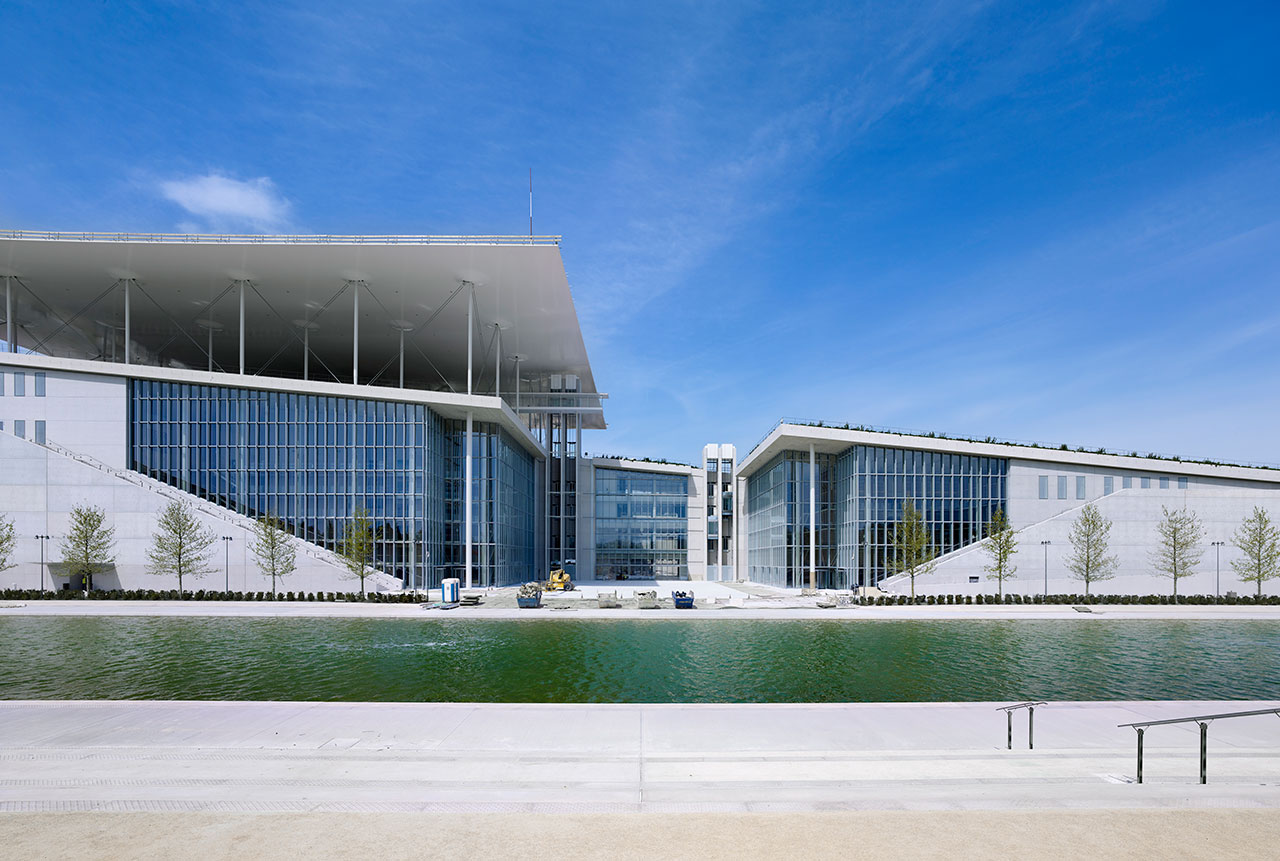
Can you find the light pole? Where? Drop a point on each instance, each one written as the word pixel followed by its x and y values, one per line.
pixel 1217 568
pixel 43 539
pixel 226 563
pixel 1045 545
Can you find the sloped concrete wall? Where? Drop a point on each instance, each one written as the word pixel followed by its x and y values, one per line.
pixel 39 487
pixel 1134 514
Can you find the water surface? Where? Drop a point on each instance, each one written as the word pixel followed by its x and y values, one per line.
pixel 406 660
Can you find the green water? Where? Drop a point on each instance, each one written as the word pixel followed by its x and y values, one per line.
pixel 635 661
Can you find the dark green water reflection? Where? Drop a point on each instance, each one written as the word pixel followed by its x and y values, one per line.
pixel 635 661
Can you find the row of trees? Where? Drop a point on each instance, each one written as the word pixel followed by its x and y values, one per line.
pixel 182 546
pixel 1177 552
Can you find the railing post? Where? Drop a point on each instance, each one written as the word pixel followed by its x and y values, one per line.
pixel 1140 732
pixel 1204 750
pixel 1009 715
pixel 1031 727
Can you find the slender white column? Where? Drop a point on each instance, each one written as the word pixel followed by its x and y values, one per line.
pixel 402 358
pixel 128 321
pixel 355 334
pixel 813 516
pixel 8 313
pixel 466 504
pixel 517 386
pixel 306 352
pixel 242 328
pixel 497 364
pixel 210 351
pixel 471 313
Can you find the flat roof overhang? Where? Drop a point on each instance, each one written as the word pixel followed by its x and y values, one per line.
pixel 828 440
pixel 69 301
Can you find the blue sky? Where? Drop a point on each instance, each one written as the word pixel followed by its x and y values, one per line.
pixel 1054 222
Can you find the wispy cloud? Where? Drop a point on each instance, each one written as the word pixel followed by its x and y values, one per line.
pixel 223 204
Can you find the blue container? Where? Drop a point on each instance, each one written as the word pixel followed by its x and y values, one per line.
pixel 529 603
pixel 451 590
pixel 683 600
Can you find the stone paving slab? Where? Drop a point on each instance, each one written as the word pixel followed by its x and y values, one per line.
pixel 320 756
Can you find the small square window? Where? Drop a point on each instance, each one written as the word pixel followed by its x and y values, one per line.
pixel 1182 482
pixel 1127 482
pixel 19 384
pixel 1108 485
pixel 1044 487
pixel 1062 487
pixel 39 384
pixel 1164 482
pixel 1146 482
pixel 1081 487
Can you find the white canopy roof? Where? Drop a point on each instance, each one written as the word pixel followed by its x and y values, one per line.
pixel 69 301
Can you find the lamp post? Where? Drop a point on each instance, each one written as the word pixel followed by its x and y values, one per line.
pixel 42 539
pixel 226 563
pixel 1045 545
pixel 1217 567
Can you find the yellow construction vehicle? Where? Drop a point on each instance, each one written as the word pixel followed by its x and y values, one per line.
pixel 559 580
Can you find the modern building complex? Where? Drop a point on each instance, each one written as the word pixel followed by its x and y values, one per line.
pixel 442 385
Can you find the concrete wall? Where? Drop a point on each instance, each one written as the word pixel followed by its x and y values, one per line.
pixel 1134 513
pixel 39 487
pixel 84 412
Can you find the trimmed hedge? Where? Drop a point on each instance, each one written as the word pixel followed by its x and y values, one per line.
pixel 202 595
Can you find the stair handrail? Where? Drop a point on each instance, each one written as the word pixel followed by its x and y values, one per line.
pixel 1204 721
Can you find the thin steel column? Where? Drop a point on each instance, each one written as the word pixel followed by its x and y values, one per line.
pixel 1031 727
pixel 466 504
pixel 8 313
pixel 1009 740
pixel 1140 732
pixel 517 386
pixel 813 516
pixel 471 314
pixel 355 333
pixel 402 358
pixel 242 328
pixel 128 321
pixel 306 352
pixel 497 363
pixel 210 350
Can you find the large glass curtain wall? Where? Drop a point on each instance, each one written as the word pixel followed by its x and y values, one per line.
pixel 504 491
pixel 957 494
pixel 778 524
pixel 642 526
pixel 312 460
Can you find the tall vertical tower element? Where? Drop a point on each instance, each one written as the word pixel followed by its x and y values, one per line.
pixel 719 470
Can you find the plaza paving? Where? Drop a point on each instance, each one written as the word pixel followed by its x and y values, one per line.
pixel 387 757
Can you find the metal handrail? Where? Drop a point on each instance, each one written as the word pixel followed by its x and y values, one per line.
pixel 1031 719
pixel 1203 721
pixel 280 239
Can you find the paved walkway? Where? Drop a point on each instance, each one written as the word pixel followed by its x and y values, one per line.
pixel 583 606
pixel 1069 835
pixel 307 757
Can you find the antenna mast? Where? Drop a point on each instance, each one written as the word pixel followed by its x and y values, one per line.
pixel 530 204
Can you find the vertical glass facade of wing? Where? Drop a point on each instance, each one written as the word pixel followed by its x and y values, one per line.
pixel 861 493
pixel 778 523
pixel 957 494
pixel 641 523
pixel 311 460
